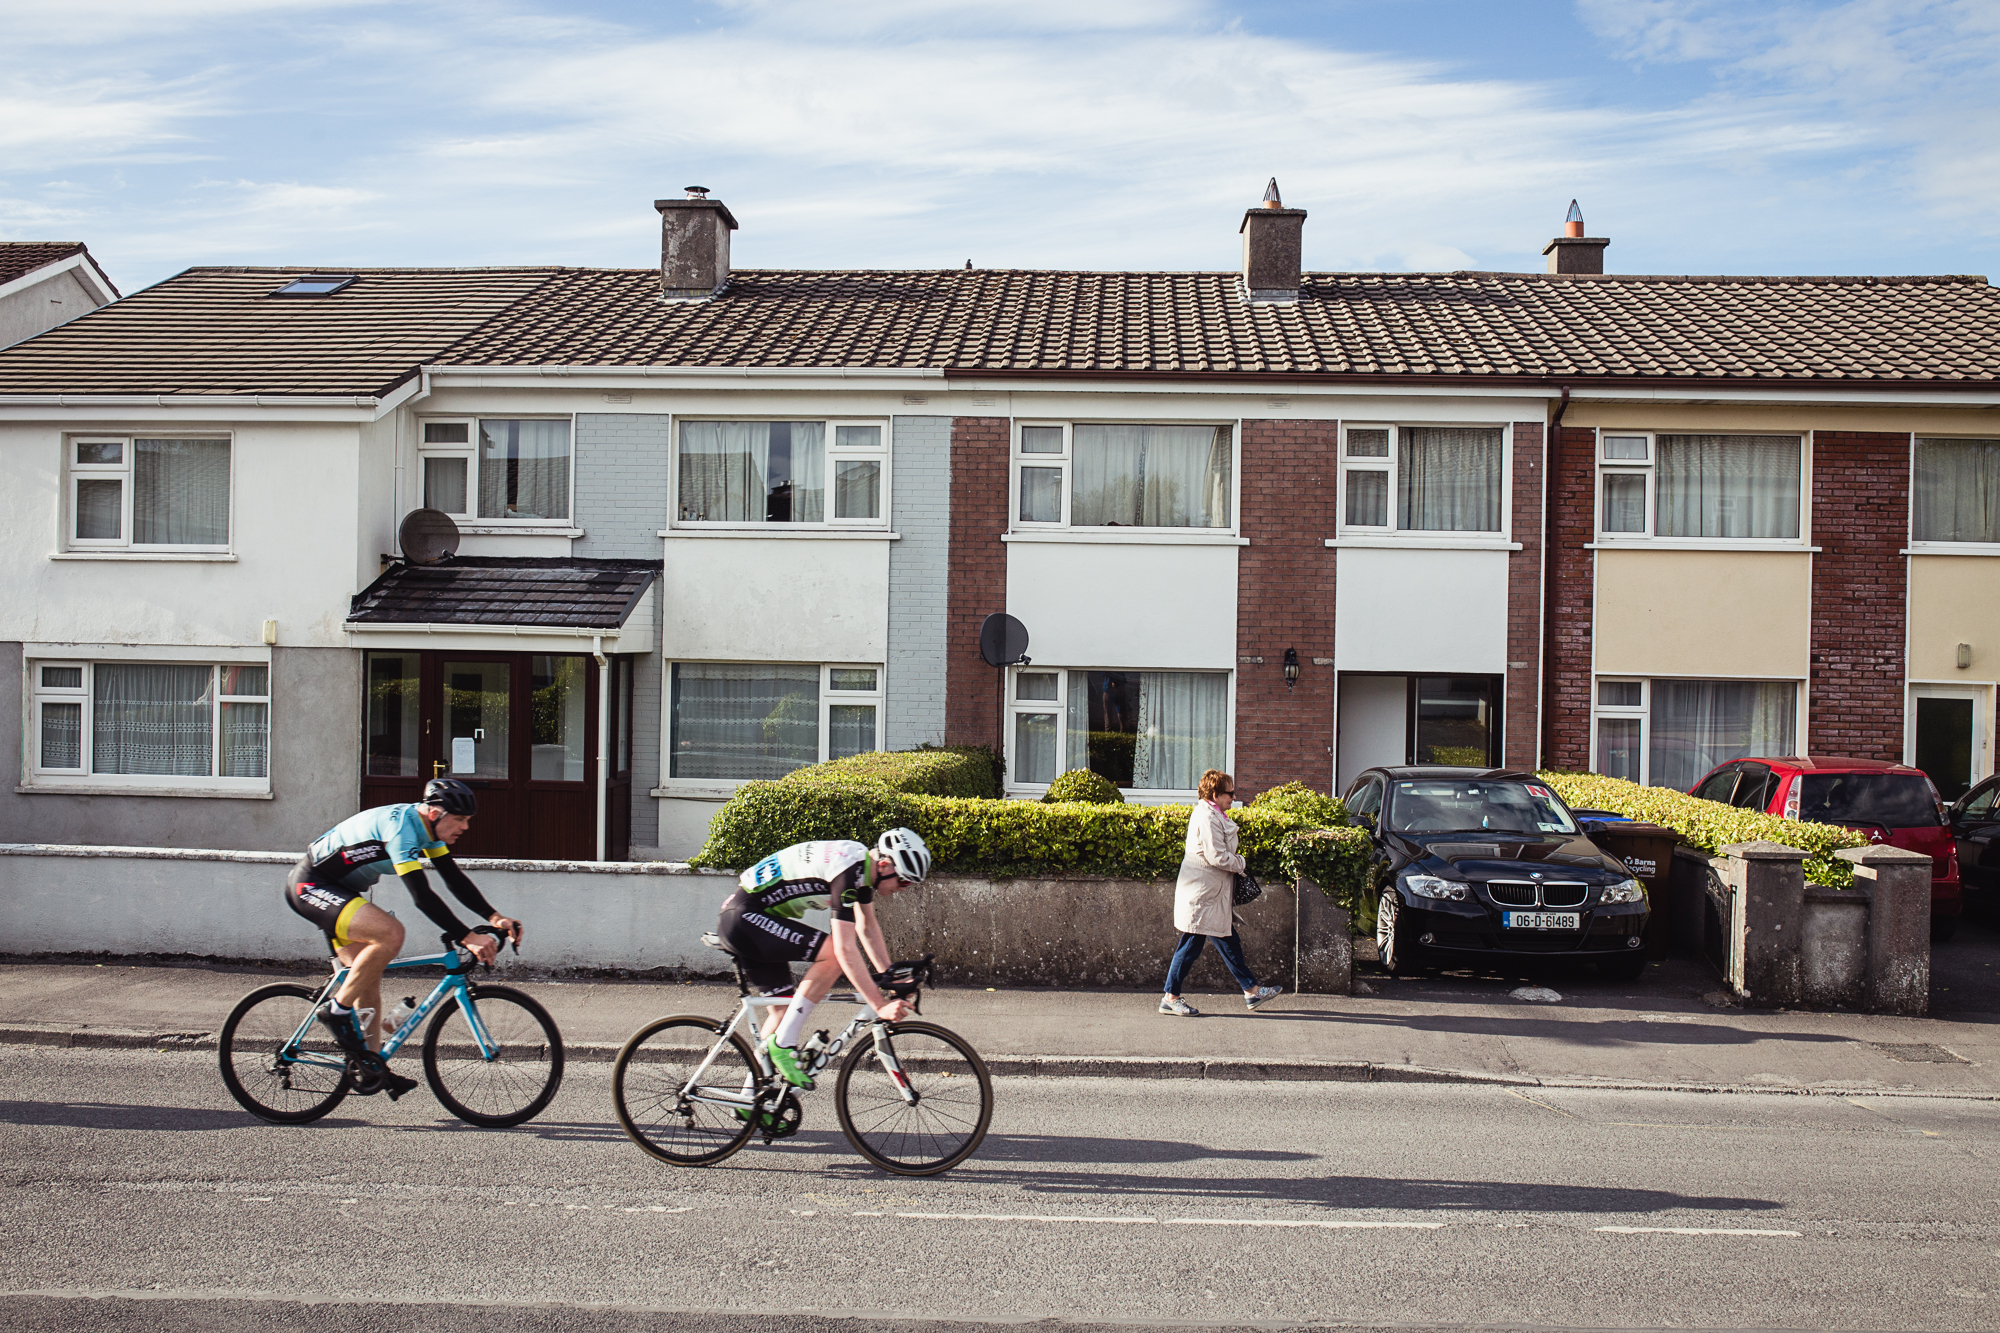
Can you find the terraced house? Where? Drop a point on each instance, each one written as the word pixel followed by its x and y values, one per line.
pixel 715 524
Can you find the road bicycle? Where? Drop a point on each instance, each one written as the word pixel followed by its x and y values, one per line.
pixel 492 1055
pixel 913 1098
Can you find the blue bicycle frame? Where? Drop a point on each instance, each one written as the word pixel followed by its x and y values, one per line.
pixel 452 985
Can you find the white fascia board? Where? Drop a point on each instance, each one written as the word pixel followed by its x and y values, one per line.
pixel 1693 396
pixel 91 276
pixel 149 652
pixel 681 377
pixel 1240 389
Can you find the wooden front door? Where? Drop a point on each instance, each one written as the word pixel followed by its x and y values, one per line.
pixel 519 728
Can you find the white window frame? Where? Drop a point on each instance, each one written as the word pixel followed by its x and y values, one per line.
pixel 1936 545
pixel 126 474
pixel 1391 466
pixel 1644 712
pixel 1060 707
pixel 1066 462
pixel 881 453
pixel 35 775
pixel 1626 467
pixel 679 786
pixel 471 518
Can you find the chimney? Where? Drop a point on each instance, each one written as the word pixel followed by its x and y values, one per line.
pixel 1271 237
pixel 694 245
pixel 1573 252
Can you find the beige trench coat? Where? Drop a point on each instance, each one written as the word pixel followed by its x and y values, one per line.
pixel 1205 893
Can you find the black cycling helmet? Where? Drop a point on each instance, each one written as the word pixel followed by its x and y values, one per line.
pixel 451 796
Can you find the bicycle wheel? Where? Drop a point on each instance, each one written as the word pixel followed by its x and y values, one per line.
pixel 954 1100
pixel 270 1075
pixel 660 1106
pixel 517 1081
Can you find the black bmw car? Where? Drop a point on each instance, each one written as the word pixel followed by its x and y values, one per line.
pixel 1489 863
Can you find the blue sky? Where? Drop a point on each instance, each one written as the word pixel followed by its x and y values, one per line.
pixel 1700 136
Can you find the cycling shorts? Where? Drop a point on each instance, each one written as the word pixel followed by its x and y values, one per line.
pixel 766 946
pixel 328 906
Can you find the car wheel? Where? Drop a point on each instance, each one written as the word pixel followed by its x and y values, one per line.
pixel 1392 941
pixel 1629 968
pixel 1943 928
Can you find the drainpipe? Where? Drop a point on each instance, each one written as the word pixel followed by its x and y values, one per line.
pixel 1549 448
pixel 603 736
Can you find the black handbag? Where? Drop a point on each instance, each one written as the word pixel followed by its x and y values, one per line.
pixel 1248 890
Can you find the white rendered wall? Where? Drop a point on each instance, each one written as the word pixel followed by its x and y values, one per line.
pixel 776 599
pixel 1102 605
pixel 1374 724
pixel 1421 611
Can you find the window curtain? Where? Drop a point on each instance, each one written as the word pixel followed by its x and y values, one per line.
pixel 524 469
pixel 1728 486
pixel 734 721
pixel 1449 480
pixel 148 719
pixel 1698 724
pixel 1956 492
pixel 246 740
pixel 1182 719
pixel 1151 476
pixel 1076 727
pixel 180 493
pixel 740 471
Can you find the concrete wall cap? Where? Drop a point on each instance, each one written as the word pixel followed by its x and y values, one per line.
pixel 1881 854
pixel 288 858
pixel 1764 851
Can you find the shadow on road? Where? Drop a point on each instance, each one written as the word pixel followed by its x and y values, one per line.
pixel 111 1115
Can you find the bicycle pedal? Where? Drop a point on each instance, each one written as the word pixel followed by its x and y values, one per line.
pixel 396 1085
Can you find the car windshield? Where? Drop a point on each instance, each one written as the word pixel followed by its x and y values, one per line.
pixel 1459 805
pixel 1893 800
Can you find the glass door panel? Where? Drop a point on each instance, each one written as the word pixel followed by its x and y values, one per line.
pixel 558 698
pixel 478 705
pixel 1454 720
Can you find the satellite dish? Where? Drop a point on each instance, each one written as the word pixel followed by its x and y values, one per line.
pixel 1003 640
pixel 428 536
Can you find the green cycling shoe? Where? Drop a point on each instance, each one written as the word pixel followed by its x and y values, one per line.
pixel 786 1060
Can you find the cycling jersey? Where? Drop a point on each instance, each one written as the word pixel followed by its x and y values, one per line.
pixel 807 877
pixel 329 883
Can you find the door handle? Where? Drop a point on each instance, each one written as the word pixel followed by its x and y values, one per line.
pixel 437 767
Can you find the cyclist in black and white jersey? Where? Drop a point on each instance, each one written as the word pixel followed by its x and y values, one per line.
pixel 762 923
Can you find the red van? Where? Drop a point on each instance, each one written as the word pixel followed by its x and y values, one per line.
pixel 1892 803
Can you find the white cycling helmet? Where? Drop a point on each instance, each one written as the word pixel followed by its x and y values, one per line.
pixel 911 857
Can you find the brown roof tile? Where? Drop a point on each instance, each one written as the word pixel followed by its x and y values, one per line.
pixel 20 258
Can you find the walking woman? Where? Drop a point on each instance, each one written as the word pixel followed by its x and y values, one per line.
pixel 1205 897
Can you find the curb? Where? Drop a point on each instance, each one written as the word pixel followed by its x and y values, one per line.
pixel 1076 1066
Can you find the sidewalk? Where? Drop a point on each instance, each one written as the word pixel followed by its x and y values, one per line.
pixel 1658 1033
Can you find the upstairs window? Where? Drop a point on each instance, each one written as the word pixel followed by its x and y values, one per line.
pixel 497 469
pixel 1092 475
pixel 782 472
pixel 1706 487
pixel 161 493
pixel 1420 479
pixel 1955 491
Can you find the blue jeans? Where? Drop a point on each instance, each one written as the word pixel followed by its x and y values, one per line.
pixel 1230 946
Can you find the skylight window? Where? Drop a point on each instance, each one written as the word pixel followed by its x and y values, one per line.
pixel 319 284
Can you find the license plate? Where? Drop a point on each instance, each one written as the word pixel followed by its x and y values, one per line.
pixel 1541 920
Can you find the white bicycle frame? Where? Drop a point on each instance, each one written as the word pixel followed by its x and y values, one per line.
pixel 757 1004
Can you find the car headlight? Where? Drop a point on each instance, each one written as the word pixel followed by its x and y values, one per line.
pixel 1430 886
pixel 1625 891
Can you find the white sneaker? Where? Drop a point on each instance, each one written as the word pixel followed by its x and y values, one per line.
pixel 1178 1008
pixel 1263 993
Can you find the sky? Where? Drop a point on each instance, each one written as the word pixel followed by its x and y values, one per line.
pixel 1701 136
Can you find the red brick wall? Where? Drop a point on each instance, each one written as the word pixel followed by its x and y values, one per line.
pixel 1520 733
pixel 1284 599
pixel 978 577
pixel 1570 598
pixel 1860 520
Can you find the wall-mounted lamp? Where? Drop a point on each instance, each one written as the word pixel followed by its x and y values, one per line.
pixel 1291 667
pixel 1964 655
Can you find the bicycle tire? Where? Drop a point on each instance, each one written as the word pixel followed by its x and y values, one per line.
pixel 652 1070
pixel 251 1050
pixel 521 1079
pixel 945 1127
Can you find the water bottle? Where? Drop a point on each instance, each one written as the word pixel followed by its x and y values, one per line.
pixel 813 1055
pixel 401 1013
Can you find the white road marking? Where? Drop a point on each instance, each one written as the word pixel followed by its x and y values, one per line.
pixel 1692 1231
pixel 1339 1223
pixel 1014 1217
pixel 257 1198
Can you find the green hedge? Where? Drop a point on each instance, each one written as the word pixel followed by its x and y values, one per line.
pixel 1711 825
pixel 964 770
pixel 1340 861
pixel 1080 784
pixel 1301 800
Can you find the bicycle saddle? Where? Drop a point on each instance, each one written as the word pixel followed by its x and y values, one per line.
pixel 715 941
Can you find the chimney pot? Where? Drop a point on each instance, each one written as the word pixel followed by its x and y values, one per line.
pixel 694 245
pixel 1272 236
pixel 1573 252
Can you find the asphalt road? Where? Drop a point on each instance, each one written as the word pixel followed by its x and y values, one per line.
pixel 134 1195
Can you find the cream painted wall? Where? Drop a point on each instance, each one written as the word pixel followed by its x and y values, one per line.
pixel 1703 613
pixel 1954 599
pixel 1794 419
pixel 294 490
pixel 1104 605
pixel 775 599
pixel 1421 611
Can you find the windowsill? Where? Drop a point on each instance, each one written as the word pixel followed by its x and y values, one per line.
pixel 1702 544
pixel 1951 548
pixel 182 557
pixel 697 791
pixel 793 532
pixel 78 787
pixel 1423 542
pixel 518 530
pixel 1136 537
